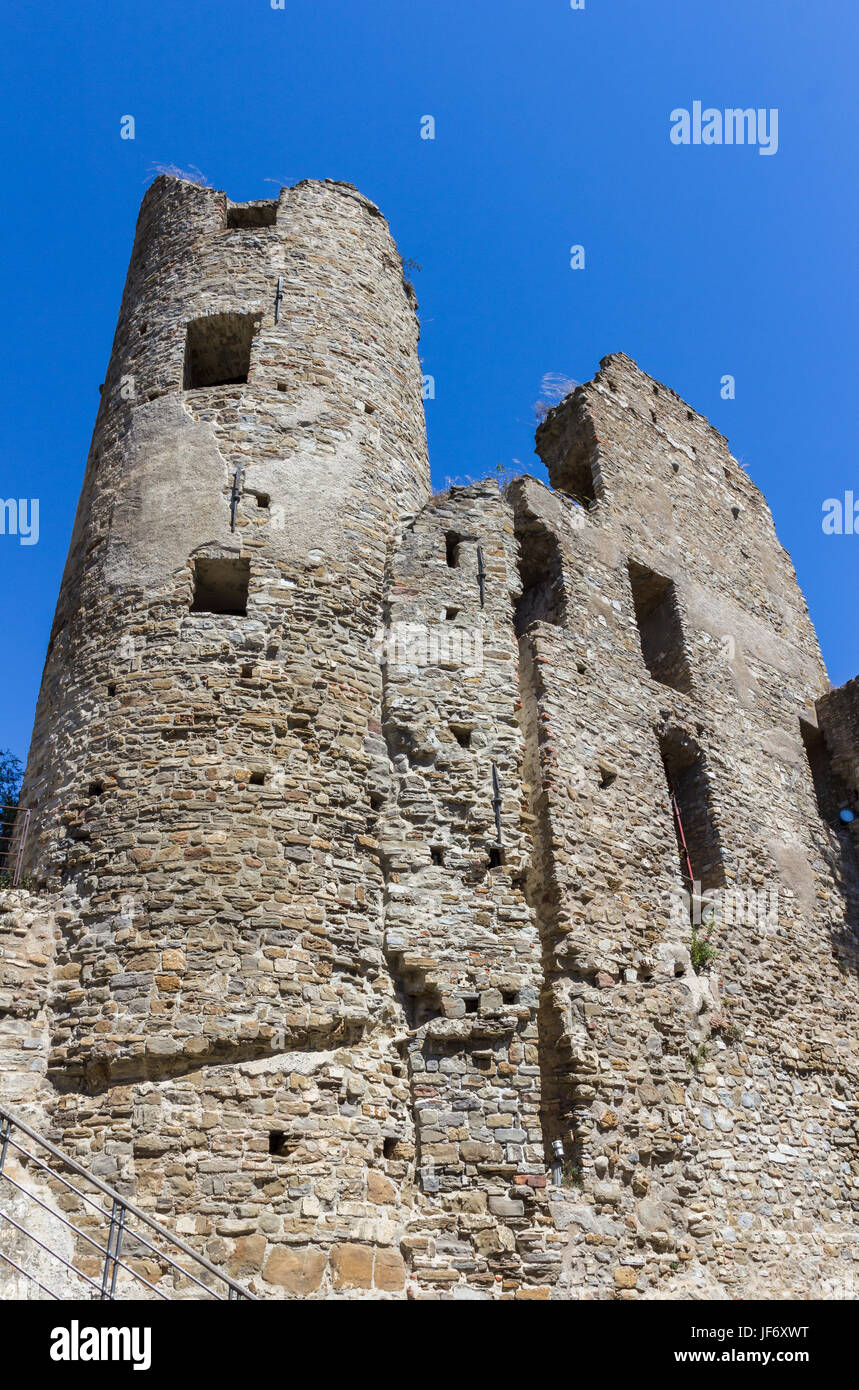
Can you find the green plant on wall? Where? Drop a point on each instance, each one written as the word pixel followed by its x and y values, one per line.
pixel 702 950
pixel 725 1027
pixel 572 1175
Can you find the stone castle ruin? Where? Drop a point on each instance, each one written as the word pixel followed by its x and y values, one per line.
pixel 429 896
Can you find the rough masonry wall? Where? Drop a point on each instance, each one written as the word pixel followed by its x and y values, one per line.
pixel 372 904
pixel 460 934
pixel 203 781
pixel 203 778
pixel 711 1117
pixel 28 933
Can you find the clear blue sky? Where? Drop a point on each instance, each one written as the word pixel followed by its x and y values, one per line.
pixel 552 129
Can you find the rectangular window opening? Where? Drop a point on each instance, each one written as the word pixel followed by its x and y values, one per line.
pixel 276 1141
pixel 541 572
pixel 831 792
pixel 218 350
pixel 659 628
pixel 243 215
pixel 452 542
pixel 698 843
pixel 577 477
pixel 221 585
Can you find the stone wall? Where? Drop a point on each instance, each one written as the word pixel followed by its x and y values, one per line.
pixel 205 778
pixel 380 966
pixel 29 930
pixel 712 1115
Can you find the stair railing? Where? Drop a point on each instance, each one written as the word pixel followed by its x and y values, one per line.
pixel 123 1220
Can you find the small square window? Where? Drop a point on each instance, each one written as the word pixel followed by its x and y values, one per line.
pixel 221 585
pixel 453 541
pixel 218 350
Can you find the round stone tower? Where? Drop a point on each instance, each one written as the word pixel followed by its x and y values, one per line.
pixel 207 762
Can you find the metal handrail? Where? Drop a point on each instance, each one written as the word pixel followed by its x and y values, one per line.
pixel 85 1197
pixel 12 857
pixel 42 1246
pixel 82 1234
pixel 121 1208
